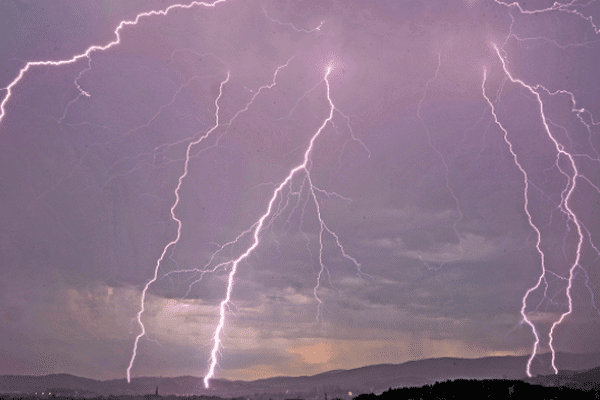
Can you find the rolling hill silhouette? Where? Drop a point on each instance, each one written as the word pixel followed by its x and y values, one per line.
pixel 578 369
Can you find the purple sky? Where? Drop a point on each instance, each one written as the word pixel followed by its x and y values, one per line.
pixel 452 195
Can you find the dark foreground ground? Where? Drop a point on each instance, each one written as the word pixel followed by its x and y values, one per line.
pixel 457 389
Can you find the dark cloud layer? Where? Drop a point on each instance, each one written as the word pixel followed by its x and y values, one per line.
pixel 413 175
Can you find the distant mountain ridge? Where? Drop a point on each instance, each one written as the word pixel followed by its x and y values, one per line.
pixel 368 379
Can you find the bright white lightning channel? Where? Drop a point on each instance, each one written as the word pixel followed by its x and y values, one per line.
pixel 564 206
pixel 530 220
pixel 565 197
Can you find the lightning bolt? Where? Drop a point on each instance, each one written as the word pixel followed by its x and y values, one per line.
pixel 571 177
pixel 88 52
pixel 529 219
pixel 559 7
pixel 261 224
pixel 178 221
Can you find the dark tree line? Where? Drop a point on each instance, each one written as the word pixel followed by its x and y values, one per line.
pixel 484 389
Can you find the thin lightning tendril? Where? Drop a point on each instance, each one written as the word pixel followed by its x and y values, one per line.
pixel 318 28
pixel 444 163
